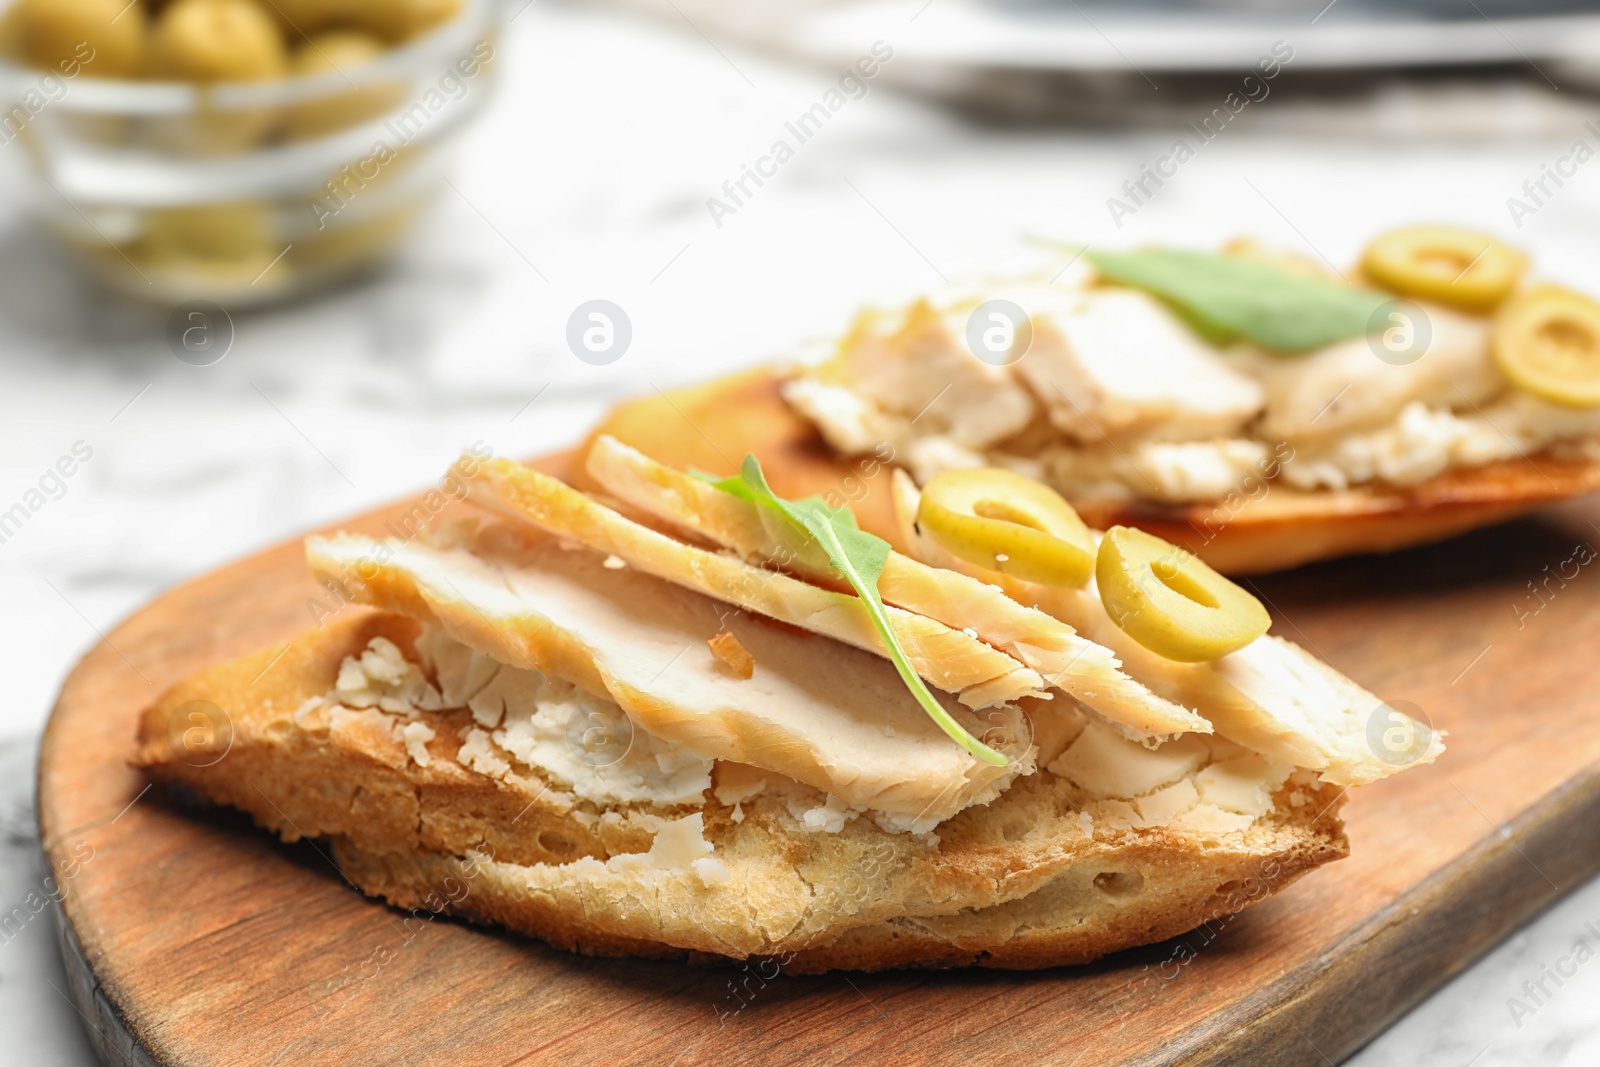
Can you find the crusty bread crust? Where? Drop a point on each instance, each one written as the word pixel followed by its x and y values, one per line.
pixel 1027 881
pixel 352 778
pixel 1076 917
pixel 713 425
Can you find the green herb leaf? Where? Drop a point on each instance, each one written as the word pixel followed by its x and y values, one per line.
pixel 1229 297
pixel 859 557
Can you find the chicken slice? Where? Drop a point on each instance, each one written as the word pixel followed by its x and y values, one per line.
pixel 1083 669
pixel 921 376
pixel 1116 364
pixel 949 659
pixel 1270 696
pixel 1345 386
pixel 816 710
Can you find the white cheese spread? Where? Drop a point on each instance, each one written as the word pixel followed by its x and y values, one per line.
pixel 582 744
pixel 1424 442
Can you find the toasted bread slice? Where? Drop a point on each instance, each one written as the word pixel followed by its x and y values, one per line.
pixel 712 427
pixel 1095 904
pixel 1058 869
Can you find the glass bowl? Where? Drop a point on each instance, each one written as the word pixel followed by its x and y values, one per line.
pixel 245 193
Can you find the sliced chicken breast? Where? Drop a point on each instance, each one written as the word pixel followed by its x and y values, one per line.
pixel 949 659
pixel 1115 364
pixel 1085 670
pixel 920 371
pixel 816 710
pixel 1345 386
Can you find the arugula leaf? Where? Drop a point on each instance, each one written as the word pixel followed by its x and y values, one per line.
pixel 1229 297
pixel 859 557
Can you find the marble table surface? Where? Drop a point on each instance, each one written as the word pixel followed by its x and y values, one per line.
pixel 588 179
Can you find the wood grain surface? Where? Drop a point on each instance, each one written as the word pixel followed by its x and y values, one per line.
pixel 200 940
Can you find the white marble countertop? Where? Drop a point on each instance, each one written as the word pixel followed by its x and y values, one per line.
pixel 589 179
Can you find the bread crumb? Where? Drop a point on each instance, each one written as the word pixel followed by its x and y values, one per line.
pixel 711 871
pixel 614 563
pixel 416 736
pixel 732 654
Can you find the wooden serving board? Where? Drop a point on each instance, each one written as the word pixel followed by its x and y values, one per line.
pixel 195 939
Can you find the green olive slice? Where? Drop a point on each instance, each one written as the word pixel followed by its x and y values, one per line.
pixel 1455 267
pixel 1007 522
pixel 1172 603
pixel 1547 341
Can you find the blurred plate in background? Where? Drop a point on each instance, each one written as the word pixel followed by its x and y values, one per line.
pixel 1462 67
